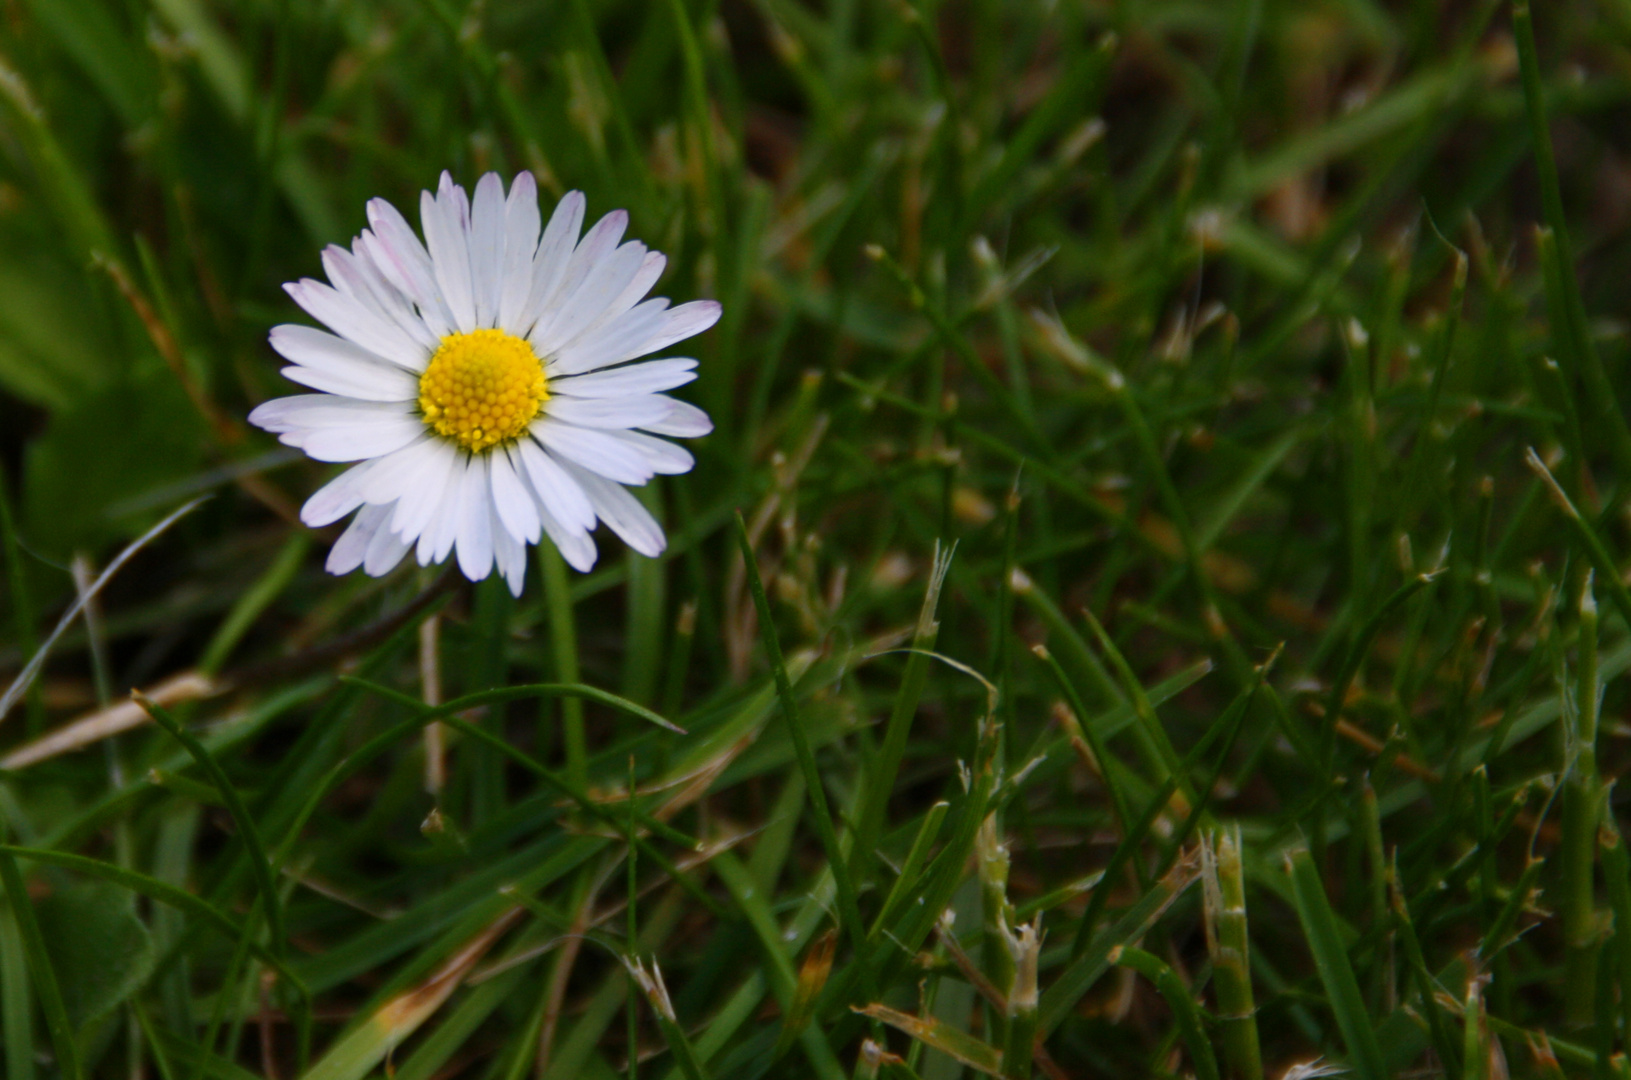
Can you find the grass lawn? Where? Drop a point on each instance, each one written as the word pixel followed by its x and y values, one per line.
pixel 1152 603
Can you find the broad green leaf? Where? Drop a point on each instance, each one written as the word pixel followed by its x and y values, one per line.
pixel 101 950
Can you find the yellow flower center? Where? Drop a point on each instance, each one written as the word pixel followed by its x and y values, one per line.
pixel 482 388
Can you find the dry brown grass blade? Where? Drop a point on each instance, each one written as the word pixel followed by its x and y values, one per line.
pixel 687 788
pixel 194 685
pixel 95 726
pixel 228 430
pixel 565 960
pixel 357 1055
pixel 948 1040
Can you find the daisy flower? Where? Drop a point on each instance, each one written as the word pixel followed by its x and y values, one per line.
pixel 483 380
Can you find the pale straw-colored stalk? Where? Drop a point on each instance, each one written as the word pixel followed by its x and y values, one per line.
pixel 1224 890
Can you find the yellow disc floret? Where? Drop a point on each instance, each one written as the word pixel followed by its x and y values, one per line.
pixel 482 388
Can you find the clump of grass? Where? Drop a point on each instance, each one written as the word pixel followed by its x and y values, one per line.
pixel 1137 614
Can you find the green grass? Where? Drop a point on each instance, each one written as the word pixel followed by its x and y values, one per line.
pixel 1180 454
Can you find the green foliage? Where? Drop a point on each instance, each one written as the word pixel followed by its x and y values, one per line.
pixel 101 951
pixel 1136 422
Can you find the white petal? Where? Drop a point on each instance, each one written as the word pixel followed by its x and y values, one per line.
pixel 343 273
pixel 407 263
pixel 650 271
pixel 520 245
pixel 436 539
pixel 575 545
pixel 376 389
pixel 510 555
pixel 337 498
pixel 559 493
pixel 353 321
pixel 418 504
pixel 356 277
pixel 397 303
pixel 487 246
pixel 316 348
pixel 355 443
pixel 647 378
pixel 623 512
pixel 429 312
pixel 398 475
pixel 605 282
pixel 403 260
pixel 610 343
pixel 549 264
pixel 373 482
pixel 332 428
pixel 336 366
pixel 447 520
pixel 598 243
pixel 661 455
pixel 385 550
pixel 685 421
pixel 351 548
pixel 301 412
pixel 444 218
pixel 594 450
pixel 515 505
pixel 682 322
pixel 475 540
pixel 631 411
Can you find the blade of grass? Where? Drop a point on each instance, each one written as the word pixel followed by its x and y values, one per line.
pixel 1582 799
pixel 487 665
pixel 1337 698
pixel 356 1055
pixel 1224 884
pixel 162 891
pixel 811 978
pixel 1061 998
pixel 563 645
pixel 1336 973
pixel 445 714
pixel 1103 763
pixel 61 182
pixel 1180 1001
pixel 31 670
pixel 885 767
pixel 849 910
pixel 1600 559
pixel 22 603
pixel 42 975
pixel 254 601
pixel 916 856
pixel 1072 96
pixel 943 1037
pixel 1160 756
pixel 1617 880
pixel 1520 897
pixel 1574 335
pixel 16 996
pixel 260 866
pixel 651 984
pixel 1427 986
pixel 1475 1034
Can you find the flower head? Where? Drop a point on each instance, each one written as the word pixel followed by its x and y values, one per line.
pixel 483 380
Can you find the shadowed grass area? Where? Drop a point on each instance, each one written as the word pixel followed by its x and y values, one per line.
pixel 1153 603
